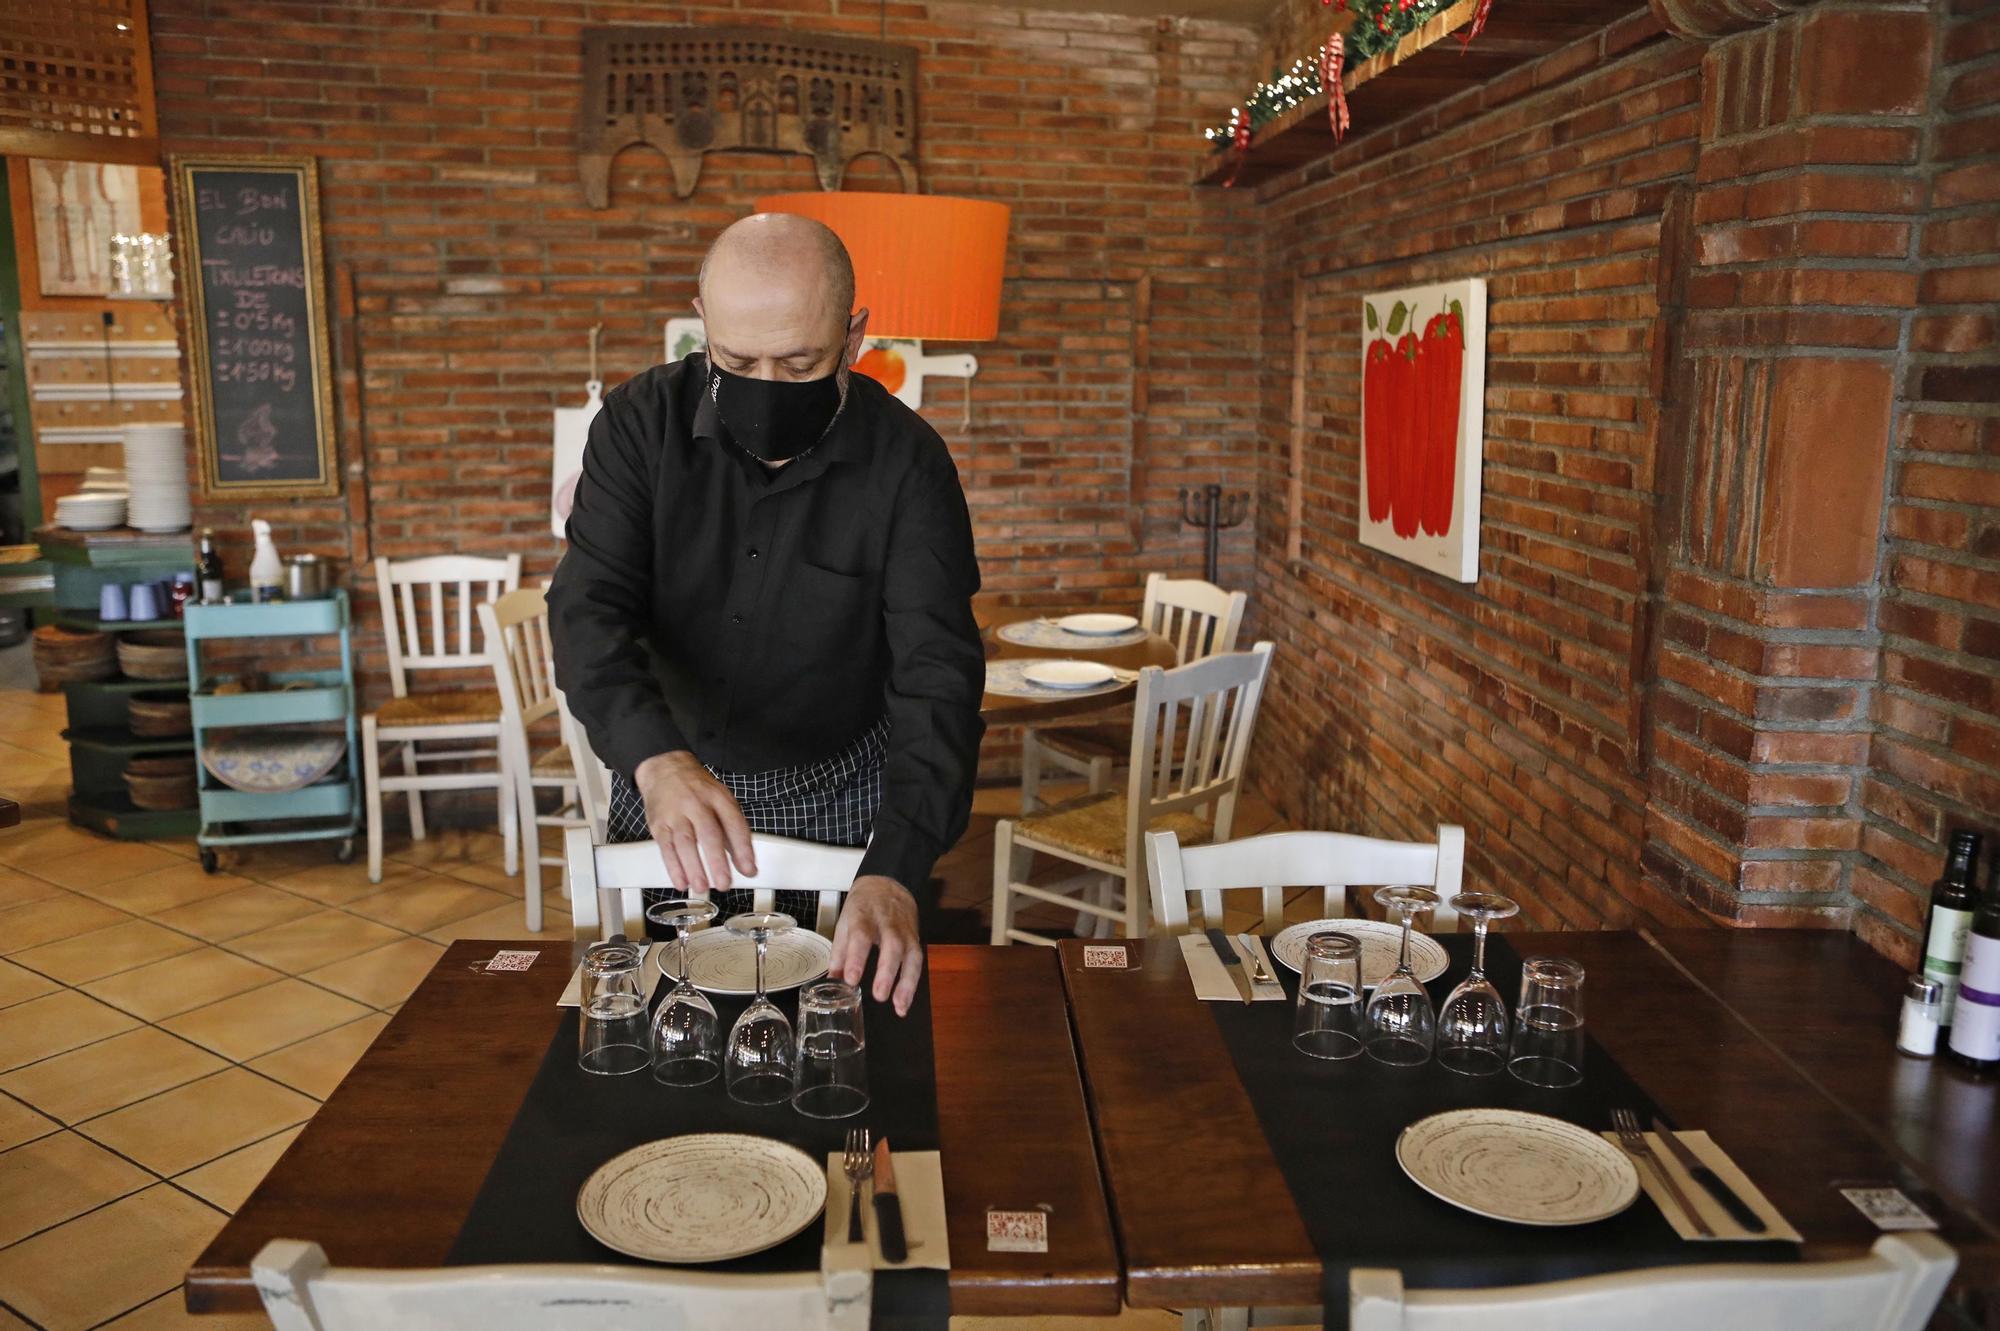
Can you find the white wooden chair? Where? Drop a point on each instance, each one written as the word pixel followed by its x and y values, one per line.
pixel 427 623
pixel 301 1292
pixel 1199 618
pixel 593 779
pixel 524 674
pixel 1190 790
pixel 1331 861
pixel 607 883
pixel 1895 1288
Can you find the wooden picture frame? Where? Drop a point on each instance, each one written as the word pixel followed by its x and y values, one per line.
pixel 260 381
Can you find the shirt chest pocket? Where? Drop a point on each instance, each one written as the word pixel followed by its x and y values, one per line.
pixel 819 601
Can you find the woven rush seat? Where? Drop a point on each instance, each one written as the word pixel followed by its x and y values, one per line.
pixel 555 762
pixel 1094 825
pixel 447 707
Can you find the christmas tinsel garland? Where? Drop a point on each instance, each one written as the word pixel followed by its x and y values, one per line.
pixel 1378 25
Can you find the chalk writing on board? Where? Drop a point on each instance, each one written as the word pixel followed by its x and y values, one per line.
pixel 254 233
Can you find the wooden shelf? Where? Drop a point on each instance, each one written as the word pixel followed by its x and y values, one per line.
pixel 1426 67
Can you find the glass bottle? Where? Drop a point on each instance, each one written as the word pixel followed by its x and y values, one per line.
pixel 209 569
pixel 1950 917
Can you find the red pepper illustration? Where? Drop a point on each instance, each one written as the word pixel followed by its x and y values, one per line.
pixel 1441 360
pixel 1377 409
pixel 1406 432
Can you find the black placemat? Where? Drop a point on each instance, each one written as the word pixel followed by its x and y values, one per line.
pixel 1333 1126
pixel 573 1121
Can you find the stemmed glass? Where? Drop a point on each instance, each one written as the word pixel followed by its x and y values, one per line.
pixel 1401 1023
pixel 1472 1034
pixel 761 1054
pixel 687 1035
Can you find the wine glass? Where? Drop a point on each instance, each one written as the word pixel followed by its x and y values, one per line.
pixel 761 1055
pixel 1472 1033
pixel 1401 1023
pixel 687 1035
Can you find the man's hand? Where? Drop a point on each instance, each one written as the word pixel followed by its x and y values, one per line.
pixel 696 822
pixel 880 913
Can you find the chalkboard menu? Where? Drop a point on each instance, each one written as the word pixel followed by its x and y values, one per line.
pixel 251 275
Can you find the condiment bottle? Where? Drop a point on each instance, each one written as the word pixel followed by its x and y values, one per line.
pixel 1917 1033
pixel 267 571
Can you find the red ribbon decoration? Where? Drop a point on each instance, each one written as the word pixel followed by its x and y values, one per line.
pixel 1331 57
pixel 1474 28
pixel 1239 144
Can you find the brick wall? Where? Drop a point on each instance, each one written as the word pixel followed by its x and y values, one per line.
pixel 1935 762
pixel 466 269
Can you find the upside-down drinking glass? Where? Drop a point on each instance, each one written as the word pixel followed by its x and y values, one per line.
pixel 687 1035
pixel 761 1054
pixel 611 1025
pixel 1402 1024
pixel 832 1077
pixel 1472 1033
pixel 1547 1048
pixel 1327 1023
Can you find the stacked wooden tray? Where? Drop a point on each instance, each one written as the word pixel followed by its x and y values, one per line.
pixel 153 654
pixel 162 782
pixel 163 714
pixel 63 656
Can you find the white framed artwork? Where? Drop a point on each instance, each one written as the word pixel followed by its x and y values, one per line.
pixel 1423 398
pixel 897 363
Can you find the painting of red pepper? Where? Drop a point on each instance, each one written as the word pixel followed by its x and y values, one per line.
pixel 1423 385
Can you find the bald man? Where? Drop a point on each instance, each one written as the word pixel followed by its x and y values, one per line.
pixel 764 616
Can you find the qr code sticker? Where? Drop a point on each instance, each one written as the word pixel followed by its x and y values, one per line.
pixel 512 961
pixel 1888 1208
pixel 1100 957
pixel 1017 1231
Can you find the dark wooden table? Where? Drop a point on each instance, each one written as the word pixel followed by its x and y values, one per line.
pixel 999 709
pixel 1157 1070
pixel 384 1174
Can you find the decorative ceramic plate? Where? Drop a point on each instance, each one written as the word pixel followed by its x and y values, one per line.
pixel 1381 945
pixel 1098 623
pixel 1069 674
pixel 726 963
pixel 703 1197
pixel 1507 1164
pixel 271 761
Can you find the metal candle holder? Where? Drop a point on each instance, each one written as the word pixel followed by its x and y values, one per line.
pixel 1209 507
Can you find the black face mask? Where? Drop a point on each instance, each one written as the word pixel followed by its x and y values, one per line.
pixel 774 419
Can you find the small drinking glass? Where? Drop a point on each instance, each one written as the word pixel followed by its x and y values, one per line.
pixel 1401 1023
pixel 1327 1023
pixel 687 1035
pixel 832 1077
pixel 761 1053
pixel 1547 1048
pixel 611 1028
pixel 1472 1033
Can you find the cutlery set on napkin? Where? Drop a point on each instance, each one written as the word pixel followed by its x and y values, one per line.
pixel 903 1228
pixel 1225 967
pixel 1699 1189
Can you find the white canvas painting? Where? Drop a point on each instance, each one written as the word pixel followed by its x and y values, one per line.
pixel 897 363
pixel 1423 396
pixel 78 208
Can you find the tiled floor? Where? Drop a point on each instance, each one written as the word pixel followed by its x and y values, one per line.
pixel 165 1032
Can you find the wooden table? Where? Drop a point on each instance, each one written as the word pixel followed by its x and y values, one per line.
pixel 10 813
pixel 1158 1071
pixel 999 709
pixel 384 1174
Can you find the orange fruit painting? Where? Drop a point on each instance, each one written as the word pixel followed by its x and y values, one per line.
pixel 885 366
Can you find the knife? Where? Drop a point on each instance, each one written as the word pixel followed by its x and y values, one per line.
pixel 888 1207
pixel 1739 1210
pixel 1258 975
pixel 1232 964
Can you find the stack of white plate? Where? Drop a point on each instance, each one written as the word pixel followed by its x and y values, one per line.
pixel 91 512
pixel 103 480
pixel 156 470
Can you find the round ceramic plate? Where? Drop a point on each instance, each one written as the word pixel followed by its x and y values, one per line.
pixel 1069 674
pixel 704 1197
pixel 1507 1164
pixel 1381 945
pixel 726 963
pixel 1095 624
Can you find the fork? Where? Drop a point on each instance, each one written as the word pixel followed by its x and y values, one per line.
pixel 1258 972
pixel 1634 1141
pixel 859 1165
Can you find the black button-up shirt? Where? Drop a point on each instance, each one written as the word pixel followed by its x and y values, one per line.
pixel 767 619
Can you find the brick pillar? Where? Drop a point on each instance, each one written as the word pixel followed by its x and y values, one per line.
pixel 1798 286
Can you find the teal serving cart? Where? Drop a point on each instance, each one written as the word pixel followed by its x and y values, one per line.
pixel 328 809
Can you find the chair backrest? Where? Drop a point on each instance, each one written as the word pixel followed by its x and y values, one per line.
pixel 1331 861
pixel 1895 1288
pixel 593 780
pixel 606 882
pixel 516 628
pixel 1191 730
pixel 427 610
pixel 1198 618
pixel 302 1293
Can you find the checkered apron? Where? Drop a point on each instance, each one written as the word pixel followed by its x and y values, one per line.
pixel 832 802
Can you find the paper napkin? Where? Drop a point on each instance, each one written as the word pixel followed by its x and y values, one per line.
pixel 1212 983
pixel 920 1184
pixel 1711 1210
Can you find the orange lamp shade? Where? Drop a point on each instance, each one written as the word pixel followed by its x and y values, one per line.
pixel 925 265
